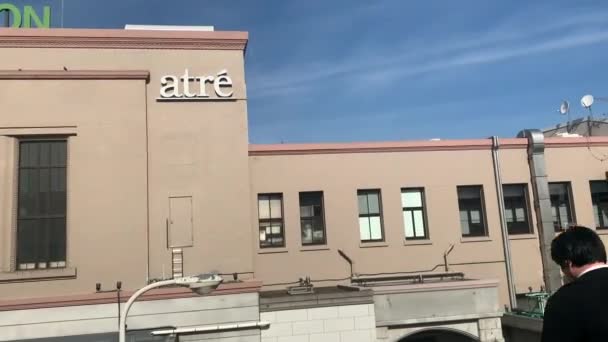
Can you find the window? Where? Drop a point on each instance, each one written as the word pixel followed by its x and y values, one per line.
pixel 472 216
pixel 270 211
pixel 516 209
pixel 311 218
pixel 41 212
pixel 599 198
pixel 561 207
pixel 414 219
pixel 370 215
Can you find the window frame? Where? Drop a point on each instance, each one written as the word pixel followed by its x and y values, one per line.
pixel 570 207
pixel 528 217
pixel 412 209
pixel 368 215
pixel 599 218
pixel 271 220
pixel 482 215
pixel 311 218
pixel 59 264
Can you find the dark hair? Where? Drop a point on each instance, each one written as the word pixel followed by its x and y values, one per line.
pixel 579 245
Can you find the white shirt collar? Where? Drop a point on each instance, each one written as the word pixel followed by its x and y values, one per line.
pixel 592 268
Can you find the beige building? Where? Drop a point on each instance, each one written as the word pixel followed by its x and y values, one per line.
pixel 124 156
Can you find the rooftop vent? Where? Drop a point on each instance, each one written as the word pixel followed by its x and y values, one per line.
pixel 305 287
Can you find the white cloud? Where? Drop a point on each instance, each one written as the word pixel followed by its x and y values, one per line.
pixel 517 36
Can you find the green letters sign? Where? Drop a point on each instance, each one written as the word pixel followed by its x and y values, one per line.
pixel 28 16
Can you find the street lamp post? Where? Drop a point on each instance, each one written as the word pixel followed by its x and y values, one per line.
pixel 201 284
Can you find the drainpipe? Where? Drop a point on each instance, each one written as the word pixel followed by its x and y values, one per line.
pixel 506 245
pixel 542 206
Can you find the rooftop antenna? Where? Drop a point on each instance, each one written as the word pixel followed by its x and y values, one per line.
pixel 564 109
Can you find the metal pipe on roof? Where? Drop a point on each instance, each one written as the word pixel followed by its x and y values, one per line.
pixel 542 206
pixel 503 223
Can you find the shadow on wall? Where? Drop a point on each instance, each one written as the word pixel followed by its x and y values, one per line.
pixel 438 336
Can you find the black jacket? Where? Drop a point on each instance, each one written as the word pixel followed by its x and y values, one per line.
pixel 578 311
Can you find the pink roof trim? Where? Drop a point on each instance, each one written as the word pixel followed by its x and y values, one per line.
pixel 122 39
pixel 396 146
pixel 414 146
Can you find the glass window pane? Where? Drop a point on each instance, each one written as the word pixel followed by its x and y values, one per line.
pixel 374 203
pixel 275 207
pixel 599 186
pixel 419 223
pixel 262 234
pixel 275 229
pixel 362 198
pixel 306 211
pixel 58 179
pixel 58 153
pixel 375 227
pixel 364 231
pixel 563 214
pixel 29 154
pixel 475 216
pixel 520 215
pixel 44 154
pixel 44 185
pixel 318 233
pixel 27 241
pixel 464 223
pixel 558 189
pixel 408 221
pixel 596 215
pixel 263 207
pixel 469 192
pixel 307 232
pixel 58 234
pixel 513 190
pixel 509 215
pixel 411 198
pixel 24 152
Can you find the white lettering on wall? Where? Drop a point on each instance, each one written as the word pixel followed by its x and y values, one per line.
pixel 184 88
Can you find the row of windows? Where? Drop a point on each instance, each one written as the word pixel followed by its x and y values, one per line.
pixel 470 204
pixel 41 212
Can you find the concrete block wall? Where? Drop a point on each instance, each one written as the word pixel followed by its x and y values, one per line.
pixel 490 330
pixel 344 323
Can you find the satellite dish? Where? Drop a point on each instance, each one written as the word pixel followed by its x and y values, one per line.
pixel 564 108
pixel 587 101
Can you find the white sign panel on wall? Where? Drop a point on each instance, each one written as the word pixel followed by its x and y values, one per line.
pixel 196 88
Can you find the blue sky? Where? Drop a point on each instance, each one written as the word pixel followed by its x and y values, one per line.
pixel 377 70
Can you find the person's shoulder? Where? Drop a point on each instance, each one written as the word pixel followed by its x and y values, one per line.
pixel 564 294
pixel 598 274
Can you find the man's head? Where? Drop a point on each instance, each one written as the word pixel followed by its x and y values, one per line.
pixel 576 249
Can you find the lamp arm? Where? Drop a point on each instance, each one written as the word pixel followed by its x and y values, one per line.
pixel 123 318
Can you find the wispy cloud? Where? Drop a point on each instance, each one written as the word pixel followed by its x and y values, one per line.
pixel 514 37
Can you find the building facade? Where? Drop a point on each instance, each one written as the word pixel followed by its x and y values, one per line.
pixel 124 157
